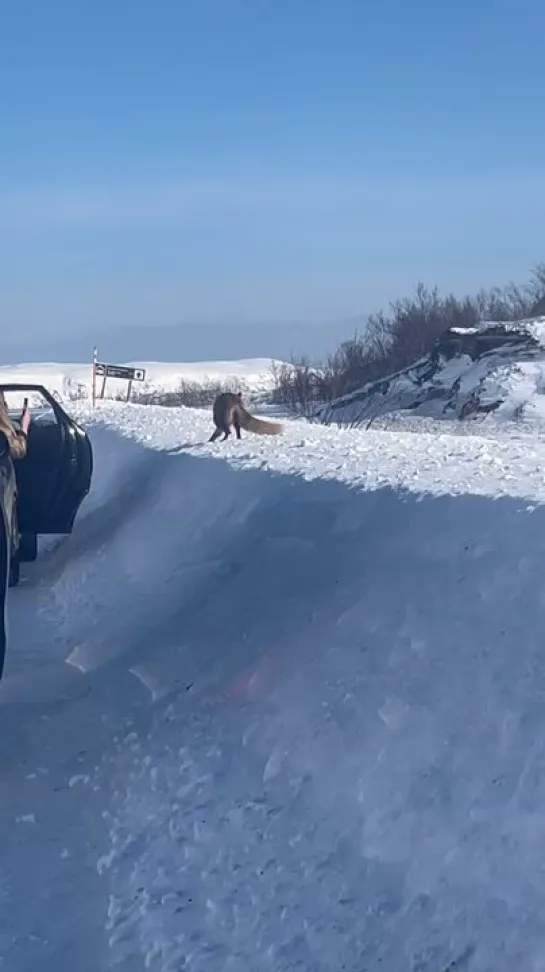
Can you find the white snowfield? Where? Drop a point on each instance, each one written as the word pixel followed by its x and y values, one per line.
pixel 75 380
pixel 278 704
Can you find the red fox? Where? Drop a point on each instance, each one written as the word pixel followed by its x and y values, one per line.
pixel 228 410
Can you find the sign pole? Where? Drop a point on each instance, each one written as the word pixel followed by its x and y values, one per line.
pixel 94 381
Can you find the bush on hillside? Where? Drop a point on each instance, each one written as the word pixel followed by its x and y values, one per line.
pixel 298 386
pixel 391 342
pixel 191 394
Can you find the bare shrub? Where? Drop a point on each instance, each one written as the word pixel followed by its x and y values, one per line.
pixel 394 341
pixel 74 391
pixel 297 386
pixel 190 394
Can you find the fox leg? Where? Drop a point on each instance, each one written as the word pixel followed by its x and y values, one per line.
pixel 236 423
pixel 215 434
pixel 227 431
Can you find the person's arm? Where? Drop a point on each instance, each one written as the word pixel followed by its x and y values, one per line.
pixel 16 441
pixel 16 438
pixel 18 444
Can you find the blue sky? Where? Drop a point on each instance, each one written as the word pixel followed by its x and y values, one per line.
pixel 261 164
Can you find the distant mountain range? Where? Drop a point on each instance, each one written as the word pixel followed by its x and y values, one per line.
pixel 187 342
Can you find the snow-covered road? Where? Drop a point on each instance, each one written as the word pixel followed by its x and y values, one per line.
pixel 278 704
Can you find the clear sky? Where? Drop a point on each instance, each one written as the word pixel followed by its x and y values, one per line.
pixel 257 164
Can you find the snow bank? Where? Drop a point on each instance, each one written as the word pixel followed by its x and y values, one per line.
pixel 503 464
pixel 301 724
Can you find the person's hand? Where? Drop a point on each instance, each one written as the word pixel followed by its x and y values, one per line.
pixel 25 421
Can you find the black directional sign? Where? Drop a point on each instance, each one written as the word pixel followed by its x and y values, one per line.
pixel 119 371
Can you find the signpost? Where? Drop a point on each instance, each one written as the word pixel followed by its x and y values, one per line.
pixel 115 371
pixel 94 382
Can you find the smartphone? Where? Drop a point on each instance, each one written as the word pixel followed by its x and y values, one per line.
pixel 25 404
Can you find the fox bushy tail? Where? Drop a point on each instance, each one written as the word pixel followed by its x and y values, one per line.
pixel 258 426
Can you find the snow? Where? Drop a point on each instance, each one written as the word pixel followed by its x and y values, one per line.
pixel 278 704
pixel 431 463
pixel 71 380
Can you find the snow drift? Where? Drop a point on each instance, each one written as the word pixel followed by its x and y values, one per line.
pixel 260 720
pixel 496 367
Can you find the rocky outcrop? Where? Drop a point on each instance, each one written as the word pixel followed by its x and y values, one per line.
pixel 469 371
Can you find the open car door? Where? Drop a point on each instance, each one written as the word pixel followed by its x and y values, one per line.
pixel 55 476
pixel 7 500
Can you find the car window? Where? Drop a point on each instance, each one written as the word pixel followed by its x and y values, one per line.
pixel 41 410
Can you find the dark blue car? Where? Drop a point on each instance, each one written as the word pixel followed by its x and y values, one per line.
pixel 7 500
pixel 48 486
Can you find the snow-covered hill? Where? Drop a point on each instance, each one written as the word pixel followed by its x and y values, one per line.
pixel 278 704
pixel 494 369
pixel 70 381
